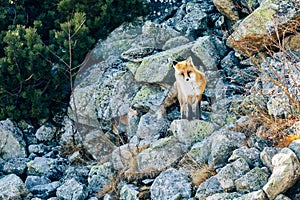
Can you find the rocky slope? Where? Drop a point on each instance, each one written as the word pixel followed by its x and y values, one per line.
pixel 124 139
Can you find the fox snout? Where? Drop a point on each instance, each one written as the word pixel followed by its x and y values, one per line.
pixel 187 79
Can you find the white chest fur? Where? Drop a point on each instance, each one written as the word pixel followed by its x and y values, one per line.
pixel 188 88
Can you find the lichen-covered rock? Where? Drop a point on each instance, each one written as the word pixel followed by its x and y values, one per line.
pixel 158 68
pixel 258 143
pixel 98 145
pixel 45 191
pixel 266 156
pixel 231 172
pixel 171 184
pixel 32 181
pixel 12 187
pixel 11 141
pixel 72 190
pixel 282 197
pixel 285 173
pixel 209 187
pixel 38 149
pixel 253 180
pixel 124 156
pixel 137 54
pixel 175 42
pixel 129 192
pixel 257 29
pixel 189 132
pixel 45 133
pixel 210 50
pixel 223 196
pixel 160 155
pixel 256 195
pixel 251 155
pixel 295 145
pixel 16 166
pixel 227 8
pixel 99 177
pixel 200 151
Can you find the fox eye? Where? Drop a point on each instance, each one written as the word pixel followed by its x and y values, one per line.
pixel 182 74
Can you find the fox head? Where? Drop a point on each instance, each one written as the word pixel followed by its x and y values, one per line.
pixel 185 70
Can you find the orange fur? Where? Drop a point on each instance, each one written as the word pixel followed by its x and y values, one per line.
pixel 190 84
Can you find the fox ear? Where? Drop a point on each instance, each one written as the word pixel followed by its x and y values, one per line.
pixel 189 60
pixel 174 62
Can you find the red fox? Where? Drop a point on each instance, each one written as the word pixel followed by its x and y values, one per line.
pixel 190 84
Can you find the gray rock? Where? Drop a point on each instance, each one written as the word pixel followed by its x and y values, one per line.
pixel 160 33
pixel 38 149
pixel 98 145
pixel 72 190
pixel 149 97
pixel 45 191
pixel 200 151
pixel 136 54
pixel 258 143
pixel 158 68
pixel 11 141
pixel 171 184
pixel 16 166
pixel 210 50
pixel 189 132
pixel 99 177
pixel 223 143
pixel 256 195
pixel 251 155
pixel 282 197
pixel 253 180
pixel 160 155
pixel 295 146
pixel 266 156
pixel 151 127
pixel 45 133
pixel 285 173
pixel 129 192
pixel 223 196
pixel 69 134
pixel 124 156
pixel 12 187
pixel 227 8
pixel 209 187
pixel 175 42
pixel 32 181
pixel 79 173
pixel 231 172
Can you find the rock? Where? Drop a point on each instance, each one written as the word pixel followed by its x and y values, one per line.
pixel 223 143
pixel 251 156
pixel 32 181
pixel 279 106
pixel 273 16
pixel 72 190
pixel 45 191
pixel 227 8
pixel 189 132
pixel 223 196
pixel 137 54
pixel 49 167
pixel 160 33
pixel 12 187
pixel 209 187
pixel 158 68
pixel 38 149
pixel 149 97
pixel 253 180
pixel 124 156
pixel 150 128
pixel 251 103
pixel 258 143
pixel 79 173
pixel 175 42
pixel 160 155
pixel 11 141
pixel 129 192
pixel 256 195
pixel 266 156
pixel 45 133
pixel 69 135
pixel 16 166
pixel 200 151
pixel 292 42
pixel 295 145
pixel 98 145
pixel 231 172
pixel 99 177
pixel 171 184
pixel 210 50
pixel 285 173
pixel 282 197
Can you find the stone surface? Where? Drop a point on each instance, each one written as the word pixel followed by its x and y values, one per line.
pixel 32 181
pixel 16 166
pixel 285 173
pixel 45 133
pixel 171 184
pixel 223 196
pixel 12 187
pixel 175 42
pixel 231 172
pixel 256 195
pixel 227 8
pixel 209 187
pixel 266 156
pixel 210 50
pixel 45 191
pixel 189 132
pixel 160 155
pixel 258 28
pixel 72 190
pixel 295 145
pixel 11 141
pixel 251 155
pixel 253 180
pixel 124 156
pixel 129 192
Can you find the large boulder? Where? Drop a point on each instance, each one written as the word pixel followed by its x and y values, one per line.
pixel 11 141
pixel 227 8
pixel 12 187
pixel 257 30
